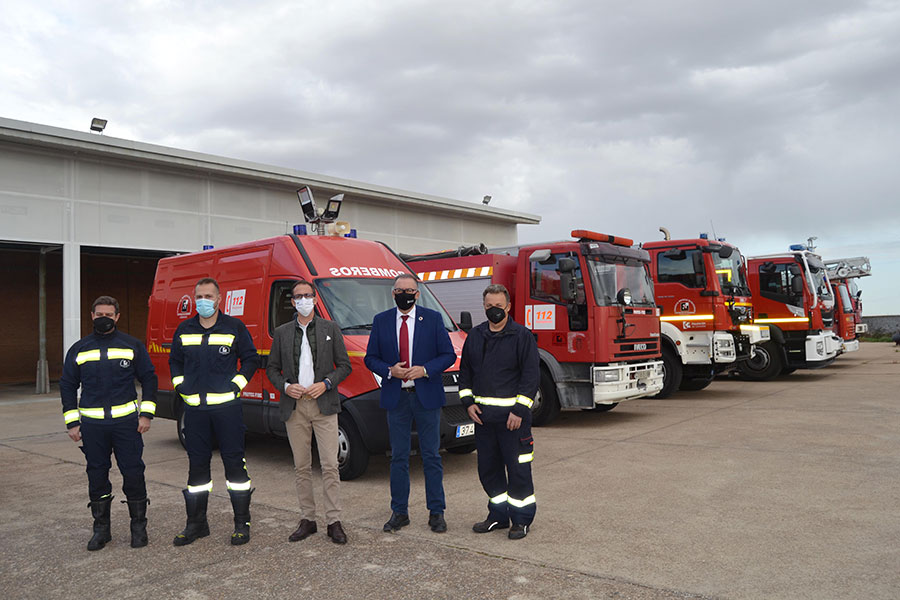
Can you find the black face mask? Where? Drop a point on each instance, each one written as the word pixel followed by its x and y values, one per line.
pixel 495 314
pixel 404 300
pixel 103 325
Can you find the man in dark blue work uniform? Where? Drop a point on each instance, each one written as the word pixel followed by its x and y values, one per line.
pixel 203 363
pixel 498 378
pixel 107 417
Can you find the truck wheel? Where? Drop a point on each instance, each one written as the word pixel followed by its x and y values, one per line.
pixel 546 401
pixel 353 457
pixel 672 372
pixel 765 363
pixel 787 370
pixel 464 449
pixel 694 384
pixel 602 407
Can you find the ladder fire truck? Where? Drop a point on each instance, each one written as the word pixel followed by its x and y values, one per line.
pixel 589 302
pixel 843 273
pixel 706 310
pixel 792 295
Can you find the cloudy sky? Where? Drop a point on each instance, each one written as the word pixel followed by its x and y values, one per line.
pixel 766 121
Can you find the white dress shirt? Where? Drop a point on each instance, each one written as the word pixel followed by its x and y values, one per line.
pixel 306 374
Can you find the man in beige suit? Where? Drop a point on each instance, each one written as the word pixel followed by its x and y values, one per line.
pixel 307 362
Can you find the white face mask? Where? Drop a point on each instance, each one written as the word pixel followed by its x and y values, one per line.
pixel 305 306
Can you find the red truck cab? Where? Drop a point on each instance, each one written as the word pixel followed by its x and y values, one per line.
pixel 706 310
pixel 843 274
pixel 589 302
pixel 792 295
pixel 353 281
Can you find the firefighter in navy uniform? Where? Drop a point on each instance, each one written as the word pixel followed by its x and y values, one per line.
pixel 498 378
pixel 203 362
pixel 108 418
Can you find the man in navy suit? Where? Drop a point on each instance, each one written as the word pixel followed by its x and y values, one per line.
pixel 409 348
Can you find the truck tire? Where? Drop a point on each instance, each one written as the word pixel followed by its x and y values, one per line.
pixel 672 372
pixel 464 449
pixel 765 364
pixel 353 456
pixel 787 370
pixel 546 401
pixel 695 384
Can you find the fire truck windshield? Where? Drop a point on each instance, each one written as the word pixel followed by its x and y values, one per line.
pixel 730 272
pixel 607 278
pixel 821 282
pixel 354 302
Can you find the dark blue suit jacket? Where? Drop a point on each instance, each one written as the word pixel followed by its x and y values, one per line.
pixel 431 349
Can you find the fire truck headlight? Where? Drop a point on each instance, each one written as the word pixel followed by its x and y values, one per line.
pixel 820 348
pixel 624 296
pixel 606 376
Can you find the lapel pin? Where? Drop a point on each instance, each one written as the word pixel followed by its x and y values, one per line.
pixel 421 318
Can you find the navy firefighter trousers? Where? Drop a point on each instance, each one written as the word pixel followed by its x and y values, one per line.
pixel 504 468
pixel 98 441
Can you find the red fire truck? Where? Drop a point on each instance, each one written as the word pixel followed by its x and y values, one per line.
pixel 843 273
pixel 792 295
pixel 588 300
pixel 353 279
pixel 706 310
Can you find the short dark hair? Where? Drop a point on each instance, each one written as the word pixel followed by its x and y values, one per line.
pixel 105 300
pixel 495 288
pixel 206 280
pixel 405 276
pixel 303 282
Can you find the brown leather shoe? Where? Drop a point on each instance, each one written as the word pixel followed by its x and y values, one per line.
pixel 336 533
pixel 304 530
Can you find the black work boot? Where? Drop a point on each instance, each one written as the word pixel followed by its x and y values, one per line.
pixel 197 525
pixel 100 512
pixel 138 511
pixel 240 502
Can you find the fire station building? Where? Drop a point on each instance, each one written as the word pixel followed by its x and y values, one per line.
pixel 83 214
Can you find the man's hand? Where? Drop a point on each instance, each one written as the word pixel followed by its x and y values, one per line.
pixel 415 372
pixel 398 371
pixel 295 390
pixel 143 424
pixel 316 389
pixel 75 433
pixel 474 411
pixel 513 422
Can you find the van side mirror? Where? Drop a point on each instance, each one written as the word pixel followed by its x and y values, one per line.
pixel 795 270
pixel 726 251
pixel 465 321
pixel 797 285
pixel 540 256
pixel 567 265
pixel 567 286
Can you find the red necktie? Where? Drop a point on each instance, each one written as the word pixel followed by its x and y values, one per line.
pixel 404 342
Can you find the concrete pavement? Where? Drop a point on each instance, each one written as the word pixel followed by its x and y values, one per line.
pixel 785 489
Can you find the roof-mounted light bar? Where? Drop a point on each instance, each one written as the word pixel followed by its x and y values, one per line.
pixel 584 234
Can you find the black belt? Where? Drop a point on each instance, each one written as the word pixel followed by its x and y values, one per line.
pixel 409 390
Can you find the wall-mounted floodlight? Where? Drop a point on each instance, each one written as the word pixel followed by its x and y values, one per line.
pixel 486 200
pixel 98 125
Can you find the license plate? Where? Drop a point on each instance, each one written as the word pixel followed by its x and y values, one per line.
pixel 465 430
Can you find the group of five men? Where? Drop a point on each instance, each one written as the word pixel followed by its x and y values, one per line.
pixel 213 357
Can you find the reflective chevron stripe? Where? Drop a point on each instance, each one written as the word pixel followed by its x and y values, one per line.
pixel 522 503
pixel 120 410
pixel 220 339
pixel 238 487
pixel 240 380
pixel 119 353
pixel 196 489
pixel 191 339
pixel 148 407
pixel 71 416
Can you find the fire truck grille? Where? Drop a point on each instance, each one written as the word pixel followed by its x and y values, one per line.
pixel 456 414
pixel 450 379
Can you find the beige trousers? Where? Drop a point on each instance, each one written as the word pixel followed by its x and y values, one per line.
pixel 304 421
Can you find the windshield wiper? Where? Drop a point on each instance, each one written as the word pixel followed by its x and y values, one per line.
pixel 367 326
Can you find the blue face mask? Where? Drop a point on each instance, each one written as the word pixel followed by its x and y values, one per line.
pixel 205 307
